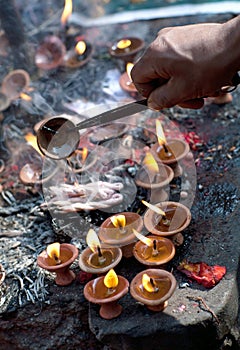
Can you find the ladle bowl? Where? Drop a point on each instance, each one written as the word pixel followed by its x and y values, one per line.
pixel 58 138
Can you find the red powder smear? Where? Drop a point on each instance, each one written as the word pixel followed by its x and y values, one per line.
pixel 203 274
pixel 194 141
pixel 83 277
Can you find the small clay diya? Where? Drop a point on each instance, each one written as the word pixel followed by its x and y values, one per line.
pixel 106 291
pixel 50 53
pixel 154 250
pixel 14 83
pixel 171 153
pixel 126 82
pixel 126 49
pixel 121 235
pixel 155 181
pixel 153 287
pixel 177 217
pixel 58 258
pixel 79 55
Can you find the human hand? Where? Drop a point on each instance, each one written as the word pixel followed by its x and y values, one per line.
pixel 185 64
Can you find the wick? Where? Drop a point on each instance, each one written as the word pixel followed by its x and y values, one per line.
pixel 156 289
pixel 154 251
pixel 122 229
pixel 110 291
pixel 166 150
pixel 165 221
pixel 57 260
pixel 101 258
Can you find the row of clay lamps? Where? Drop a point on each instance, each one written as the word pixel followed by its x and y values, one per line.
pixel 159 284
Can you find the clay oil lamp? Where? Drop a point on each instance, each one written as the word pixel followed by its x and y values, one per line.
pixel 153 250
pixel 14 83
pixel 106 291
pixel 50 54
pixel 127 49
pixel 41 170
pixel 153 288
pixel 97 260
pixel 58 258
pixel 167 219
pixel 79 55
pixel 169 152
pixel 155 177
pixel 82 160
pixel 126 82
pixel 116 231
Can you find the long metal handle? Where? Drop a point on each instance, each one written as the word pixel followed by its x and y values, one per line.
pixel 114 114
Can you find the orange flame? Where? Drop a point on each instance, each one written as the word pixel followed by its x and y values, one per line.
pixel 53 251
pixel 160 133
pixel 80 47
pixel 25 97
pixel 154 208
pixel 32 140
pixel 118 220
pixel 92 240
pixel 149 283
pixel 143 239
pixel 83 153
pixel 150 163
pixel 124 44
pixel 67 11
pixel 129 67
pixel 111 279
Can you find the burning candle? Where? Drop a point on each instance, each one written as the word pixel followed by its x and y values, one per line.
pixel 153 250
pixel 94 259
pixel 155 177
pixel 121 235
pixel 177 218
pixel 79 55
pixel 169 152
pixel 126 48
pixel 58 258
pixel 106 291
pixel 125 80
pixel 153 287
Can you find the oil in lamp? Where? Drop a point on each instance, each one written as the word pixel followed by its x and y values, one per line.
pixel 167 219
pixel 116 231
pixel 106 291
pixel 153 250
pixel 155 177
pixel 14 83
pixel 126 49
pixel 153 287
pixel 50 54
pixel 125 80
pixel 79 55
pixel 36 173
pixel 94 259
pixel 58 258
pixel 169 152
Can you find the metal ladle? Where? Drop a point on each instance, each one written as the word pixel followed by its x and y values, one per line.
pixel 59 137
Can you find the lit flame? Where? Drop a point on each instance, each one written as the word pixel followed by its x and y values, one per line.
pixel 80 47
pixel 124 44
pixel 129 67
pixel 160 133
pixel 111 279
pixel 154 208
pixel 53 251
pixel 92 240
pixel 118 220
pixel 25 97
pixel 67 11
pixel 150 163
pixel 149 283
pixel 143 239
pixel 32 140
pixel 83 153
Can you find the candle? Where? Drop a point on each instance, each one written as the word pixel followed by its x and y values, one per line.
pixel 153 250
pixel 94 259
pixel 153 287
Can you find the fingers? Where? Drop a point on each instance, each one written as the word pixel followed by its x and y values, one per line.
pixel 193 104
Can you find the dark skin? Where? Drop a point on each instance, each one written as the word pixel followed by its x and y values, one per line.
pixel 185 64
